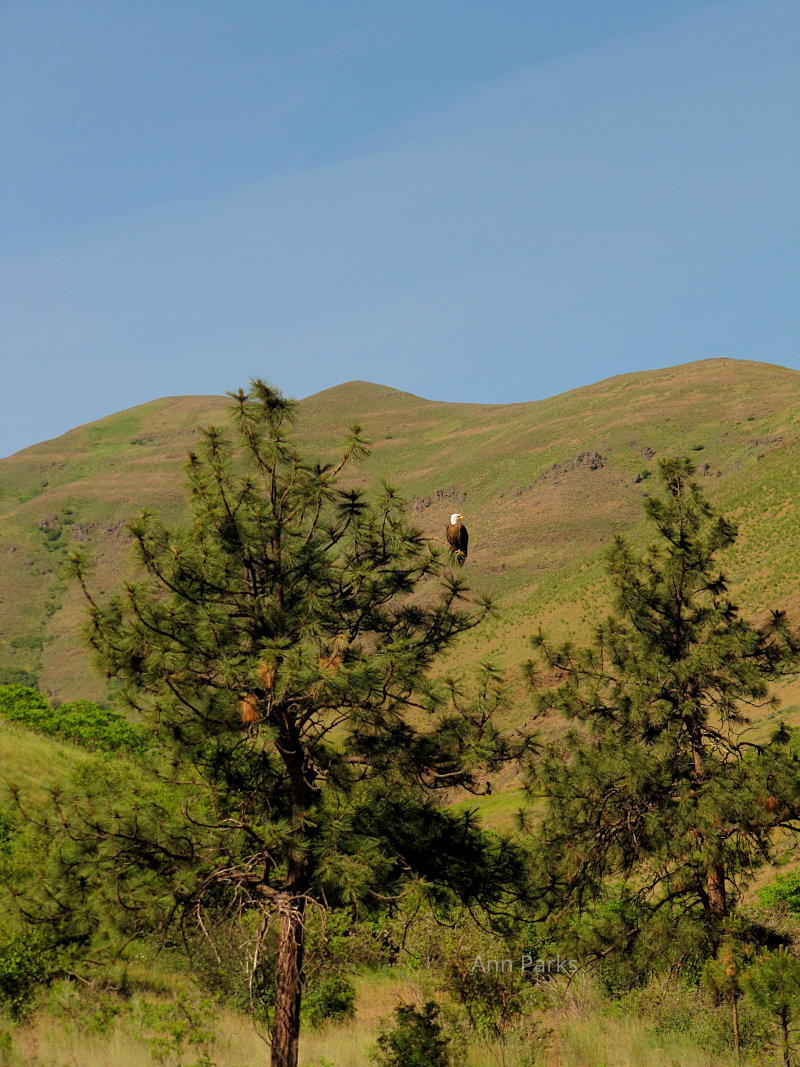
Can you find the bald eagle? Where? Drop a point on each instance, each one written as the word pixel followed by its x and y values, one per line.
pixel 457 536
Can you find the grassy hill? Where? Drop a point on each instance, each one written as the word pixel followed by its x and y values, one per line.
pixel 543 486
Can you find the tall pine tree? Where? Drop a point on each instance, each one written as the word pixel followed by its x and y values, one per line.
pixel 281 644
pixel 658 803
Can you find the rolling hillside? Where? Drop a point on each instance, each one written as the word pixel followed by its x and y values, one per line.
pixel 543 486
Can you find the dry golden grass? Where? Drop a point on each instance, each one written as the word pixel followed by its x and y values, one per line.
pixel 598 1042
pixel 46 1042
pixel 586 1031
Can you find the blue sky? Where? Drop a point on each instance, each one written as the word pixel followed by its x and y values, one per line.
pixel 471 201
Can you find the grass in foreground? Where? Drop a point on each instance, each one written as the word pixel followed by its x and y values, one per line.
pixel 583 1028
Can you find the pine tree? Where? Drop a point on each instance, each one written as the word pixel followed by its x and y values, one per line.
pixel 281 644
pixel 773 983
pixel 658 804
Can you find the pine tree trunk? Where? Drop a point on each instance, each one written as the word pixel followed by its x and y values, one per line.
pixel 717 899
pixel 288 992
pixel 785 1037
pixel 291 905
pixel 715 875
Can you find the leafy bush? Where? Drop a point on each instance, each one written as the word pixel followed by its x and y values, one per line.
pixel 18 703
pixel 179 1026
pixel 26 961
pixel 332 997
pixel 80 721
pixel 415 1041
pixel 785 890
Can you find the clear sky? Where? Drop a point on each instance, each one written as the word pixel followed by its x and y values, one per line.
pixel 473 200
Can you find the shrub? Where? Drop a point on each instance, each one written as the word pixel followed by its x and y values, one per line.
pixel 26 961
pixel 332 997
pixel 80 721
pixel 91 726
pixel 415 1040
pixel 18 703
pixel 783 890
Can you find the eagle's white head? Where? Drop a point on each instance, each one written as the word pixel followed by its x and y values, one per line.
pixel 455 518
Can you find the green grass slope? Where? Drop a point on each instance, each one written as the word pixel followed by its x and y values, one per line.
pixel 544 487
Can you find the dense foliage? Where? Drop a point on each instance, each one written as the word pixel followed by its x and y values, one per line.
pixel 280 646
pixel 80 721
pixel 783 891
pixel 27 960
pixel 415 1040
pixel 659 804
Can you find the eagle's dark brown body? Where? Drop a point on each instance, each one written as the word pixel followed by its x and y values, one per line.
pixel 457 537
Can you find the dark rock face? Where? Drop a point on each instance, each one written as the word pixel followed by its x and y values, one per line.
pixel 451 494
pixel 592 461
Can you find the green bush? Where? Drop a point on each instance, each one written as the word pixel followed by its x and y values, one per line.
pixel 80 721
pixel 332 997
pixel 415 1040
pixel 26 961
pixel 19 703
pixel 784 890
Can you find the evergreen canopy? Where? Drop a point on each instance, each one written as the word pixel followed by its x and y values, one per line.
pixel 659 802
pixel 281 644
